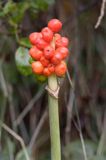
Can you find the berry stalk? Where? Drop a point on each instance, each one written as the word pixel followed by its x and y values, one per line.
pixel 54 118
pixel 53 89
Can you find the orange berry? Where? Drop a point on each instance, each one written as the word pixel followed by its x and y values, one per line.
pixel 60 69
pixel 46 72
pixel 37 67
pixel 44 61
pixel 63 51
pixel 57 36
pixel 56 58
pixel 55 25
pixel 35 53
pixel 65 41
pixel 33 36
pixel 62 42
pixel 49 52
pixel 47 34
pixel 51 68
pixel 40 43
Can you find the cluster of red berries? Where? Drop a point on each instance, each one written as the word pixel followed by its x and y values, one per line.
pixel 49 49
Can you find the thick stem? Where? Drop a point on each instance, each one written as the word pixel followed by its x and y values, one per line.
pixel 54 119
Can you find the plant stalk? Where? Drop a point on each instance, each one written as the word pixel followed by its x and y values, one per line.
pixel 54 119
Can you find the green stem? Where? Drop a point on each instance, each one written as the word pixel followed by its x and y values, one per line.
pixel 54 119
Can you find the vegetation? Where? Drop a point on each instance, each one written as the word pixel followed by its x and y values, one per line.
pixel 24 121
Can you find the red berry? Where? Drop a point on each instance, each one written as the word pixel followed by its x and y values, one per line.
pixel 48 52
pixel 62 42
pixel 58 40
pixel 63 51
pixel 46 72
pixel 57 36
pixel 55 25
pixel 35 53
pixel 58 43
pixel 37 67
pixel 44 61
pixel 40 43
pixel 56 58
pixel 33 36
pixel 51 68
pixel 60 69
pixel 47 34
pixel 65 41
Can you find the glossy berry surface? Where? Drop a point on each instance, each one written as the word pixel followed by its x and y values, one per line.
pixel 47 34
pixel 46 72
pixel 49 52
pixel 33 36
pixel 57 36
pixel 62 42
pixel 35 53
pixel 51 68
pixel 37 67
pixel 63 51
pixel 56 58
pixel 44 61
pixel 58 43
pixel 55 25
pixel 60 69
pixel 40 43
pixel 65 41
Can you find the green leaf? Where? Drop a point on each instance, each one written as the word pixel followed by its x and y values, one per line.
pixel 31 60
pixel 18 13
pixel 41 4
pixel 25 42
pixel 9 7
pixel 22 61
pixel 41 78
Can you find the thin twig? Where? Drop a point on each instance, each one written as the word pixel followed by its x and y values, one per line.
pixel 70 80
pixel 102 12
pixel 81 135
pixel 69 117
pixel 37 130
pixel 29 106
pixel 79 124
pixel 17 137
pixel 68 121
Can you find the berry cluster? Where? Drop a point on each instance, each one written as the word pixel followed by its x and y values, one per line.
pixel 49 49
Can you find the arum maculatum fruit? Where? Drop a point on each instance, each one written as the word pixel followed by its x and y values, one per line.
pixel 49 50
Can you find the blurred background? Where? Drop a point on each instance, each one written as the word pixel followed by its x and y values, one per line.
pixel 23 99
